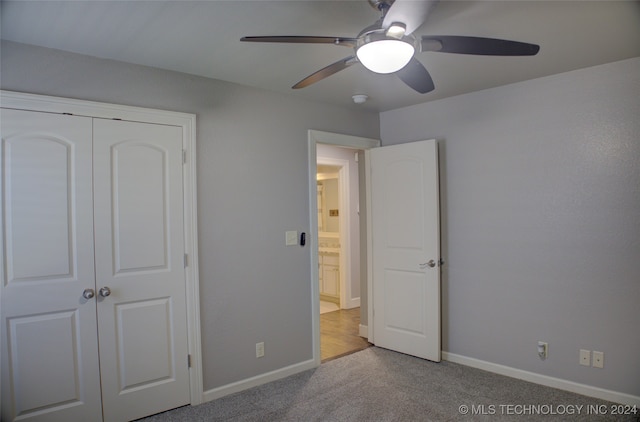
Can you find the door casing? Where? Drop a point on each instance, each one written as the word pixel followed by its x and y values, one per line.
pixel 32 102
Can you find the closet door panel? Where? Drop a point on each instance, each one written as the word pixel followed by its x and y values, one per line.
pixel 140 259
pixel 139 194
pixel 49 341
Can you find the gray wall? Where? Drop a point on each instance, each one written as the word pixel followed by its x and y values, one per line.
pixel 252 187
pixel 540 186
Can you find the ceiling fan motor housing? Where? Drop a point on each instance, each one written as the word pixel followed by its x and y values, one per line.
pixel 381 5
pixel 379 34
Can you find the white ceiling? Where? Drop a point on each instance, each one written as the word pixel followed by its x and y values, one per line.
pixel 202 38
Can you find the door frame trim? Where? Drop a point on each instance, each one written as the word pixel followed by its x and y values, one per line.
pixel 347 141
pixel 42 103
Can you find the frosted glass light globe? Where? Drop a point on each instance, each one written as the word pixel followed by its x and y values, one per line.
pixel 386 55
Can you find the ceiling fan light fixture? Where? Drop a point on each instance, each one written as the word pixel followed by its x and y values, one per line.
pixel 383 54
pixel 396 30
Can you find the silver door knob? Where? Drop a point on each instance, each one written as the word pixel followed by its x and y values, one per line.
pixel 88 294
pixel 105 291
pixel 431 263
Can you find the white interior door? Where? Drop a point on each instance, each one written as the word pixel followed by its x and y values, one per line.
pixel 140 259
pixel 406 248
pixel 49 340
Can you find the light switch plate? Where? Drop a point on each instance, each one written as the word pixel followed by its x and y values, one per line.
pixel 291 238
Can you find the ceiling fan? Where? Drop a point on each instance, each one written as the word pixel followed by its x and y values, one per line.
pixel 388 45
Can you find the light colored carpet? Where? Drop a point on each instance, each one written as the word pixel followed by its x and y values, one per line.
pixel 379 385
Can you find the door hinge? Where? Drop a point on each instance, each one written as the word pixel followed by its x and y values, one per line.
pixel 186 260
pixel 184 156
pixel 188 361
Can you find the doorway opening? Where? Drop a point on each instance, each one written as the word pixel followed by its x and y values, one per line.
pixel 353 144
pixel 330 233
pixel 338 252
pixel 341 258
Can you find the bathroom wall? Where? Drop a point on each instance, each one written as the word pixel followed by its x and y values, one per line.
pixel 330 151
pixel 331 202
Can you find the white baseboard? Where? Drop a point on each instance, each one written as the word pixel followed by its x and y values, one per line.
pixel 363 331
pixel 561 384
pixel 235 387
pixel 352 303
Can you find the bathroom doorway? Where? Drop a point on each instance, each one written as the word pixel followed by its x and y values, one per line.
pixel 351 147
pixel 339 252
pixel 331 275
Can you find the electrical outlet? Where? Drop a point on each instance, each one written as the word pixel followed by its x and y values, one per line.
pixel 598 359
pixel 260 349
pixel 585 357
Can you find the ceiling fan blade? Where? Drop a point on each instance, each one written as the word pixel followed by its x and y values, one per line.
pixel 416 76
pixel 301 39
pixel 477 45
pixel 325 72
pixel 412 13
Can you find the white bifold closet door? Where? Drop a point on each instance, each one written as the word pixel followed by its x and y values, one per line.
pixel 84 338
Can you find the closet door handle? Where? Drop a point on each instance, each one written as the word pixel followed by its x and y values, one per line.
pixel 105 291
pixel 88 294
